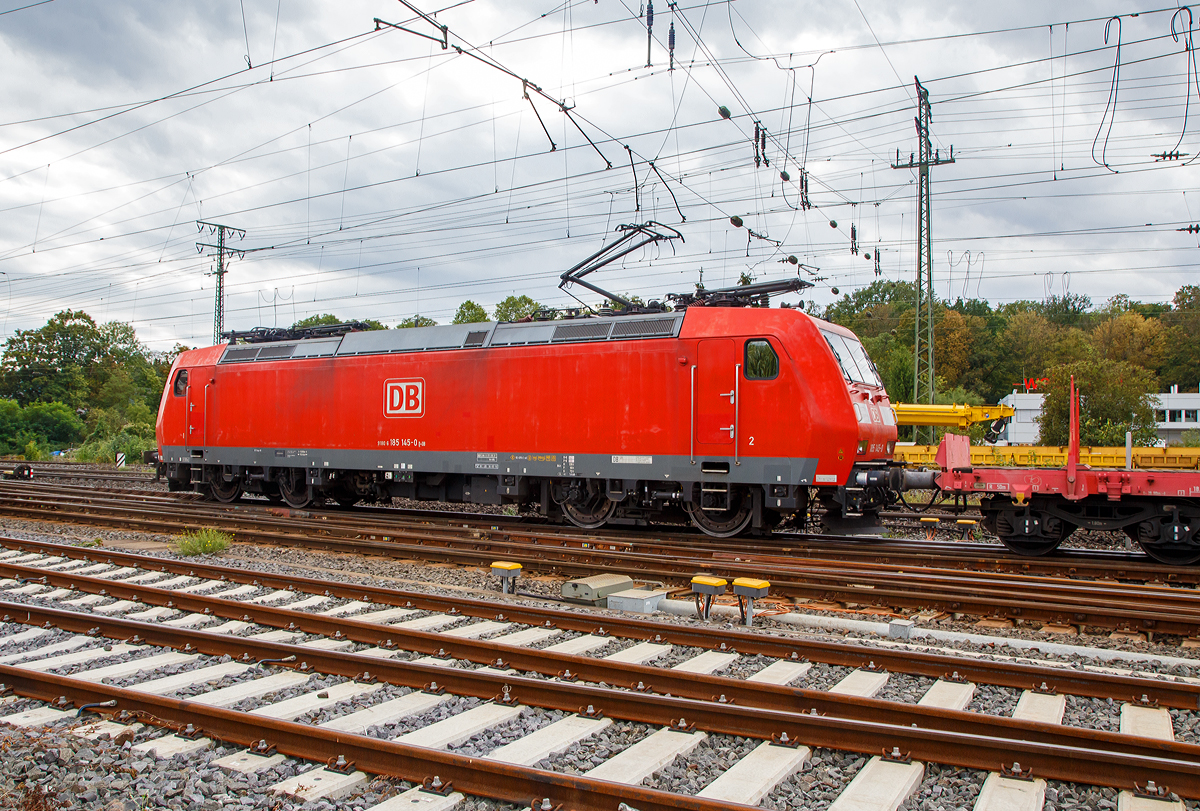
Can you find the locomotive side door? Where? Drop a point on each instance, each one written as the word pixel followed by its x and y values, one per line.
pixel 198 389
pixel 715 392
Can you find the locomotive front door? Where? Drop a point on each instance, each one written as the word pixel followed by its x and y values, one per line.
pixel 197 405
pixel 716 387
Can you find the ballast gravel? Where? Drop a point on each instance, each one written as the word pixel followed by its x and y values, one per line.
pixel 945 788
pixel 714 755
pixel 992 700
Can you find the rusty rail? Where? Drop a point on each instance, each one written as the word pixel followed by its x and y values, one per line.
pixel 1180 695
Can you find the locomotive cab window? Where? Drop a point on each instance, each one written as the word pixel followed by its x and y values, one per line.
pixel 761 361
pixel 180 386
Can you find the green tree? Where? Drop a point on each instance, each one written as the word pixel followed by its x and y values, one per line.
pixel 329 319
pixel 416 321
pixel 469 312
pixel 617 306
pixel 1181 361
pixel 1069 310
pixel 514 308
pixel 1114 397
pixel 54 422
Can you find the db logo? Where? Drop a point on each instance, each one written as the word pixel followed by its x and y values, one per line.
pixel 404 398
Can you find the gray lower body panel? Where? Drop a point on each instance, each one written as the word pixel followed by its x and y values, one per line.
pixel 745 470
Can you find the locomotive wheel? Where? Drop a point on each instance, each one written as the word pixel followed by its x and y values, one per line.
pixel 722 523
pixel 590 511
pixel 225 492
pixel 294 488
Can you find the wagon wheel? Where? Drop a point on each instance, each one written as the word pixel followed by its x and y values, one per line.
pixel 226 491
pixel 721 523
pixel 1055 530
pixel 589 510
pixel 1172 554
pixel 294 488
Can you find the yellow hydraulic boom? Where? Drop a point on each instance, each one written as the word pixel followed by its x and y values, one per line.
pixel 949 416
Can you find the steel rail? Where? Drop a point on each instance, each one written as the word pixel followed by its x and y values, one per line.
pixel 352 527
pixel 1164 610
pixel 944 555
pixel 1181 695
pixel 416 764
pixel 1064 753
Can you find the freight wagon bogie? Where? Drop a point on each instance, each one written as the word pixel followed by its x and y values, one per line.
pixel 1168 531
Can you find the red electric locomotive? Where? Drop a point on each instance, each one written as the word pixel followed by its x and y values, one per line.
pixel 727 413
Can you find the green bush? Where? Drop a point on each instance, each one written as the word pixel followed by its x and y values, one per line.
pixel 35 452
pixel 131 441
pixel 204 541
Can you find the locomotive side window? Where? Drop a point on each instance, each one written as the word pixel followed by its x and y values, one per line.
pixel 179 388
pixel 761 361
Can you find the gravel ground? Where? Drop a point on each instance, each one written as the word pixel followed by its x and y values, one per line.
pixel 1093 713
pixel 822 676
pixel 703 764
pixel 87 782
pixel 818 784
pixel 992 700
pixel 946 788
pixel 590 752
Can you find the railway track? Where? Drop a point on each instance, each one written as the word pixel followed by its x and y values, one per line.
pixel 323 671
pixel 1025 597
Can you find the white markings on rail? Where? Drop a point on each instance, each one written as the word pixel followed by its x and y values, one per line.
pixel 639 654
pixel 580 645
pixel 292 708
pixel 319 784
pixel 707 663
pixel 647 756
pixel 549 740
pixel 756 775
pixel 948 695
pixel 1147 722
pixel 477 629
pixel 386 712
pixel 1042 707
pixel 201 675
pixel 781 672
pixel 459 728
pixel 881 785
pixel 78 657
pixel 228 696
pixel 861 683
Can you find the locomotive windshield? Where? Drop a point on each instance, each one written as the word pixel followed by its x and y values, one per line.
pixel 856 366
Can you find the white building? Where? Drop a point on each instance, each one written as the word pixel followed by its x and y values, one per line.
pixel 1177 412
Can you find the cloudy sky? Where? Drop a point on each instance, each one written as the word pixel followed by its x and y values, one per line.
pixel 378 175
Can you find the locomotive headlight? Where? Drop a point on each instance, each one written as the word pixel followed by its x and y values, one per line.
pixel 891 448
pixel 862 447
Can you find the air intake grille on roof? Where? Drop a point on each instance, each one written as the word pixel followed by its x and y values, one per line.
pixel 581 332
pixel 476 338
pixel 641 329
pixel 276 352
pixel 240 354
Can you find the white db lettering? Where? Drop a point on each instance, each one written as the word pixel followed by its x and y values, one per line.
pixel 404 398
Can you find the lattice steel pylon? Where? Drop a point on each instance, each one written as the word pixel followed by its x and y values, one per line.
pixel 924 381
pixel 221 270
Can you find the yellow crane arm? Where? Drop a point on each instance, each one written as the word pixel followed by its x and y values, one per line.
pixel 949 416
